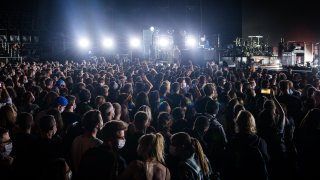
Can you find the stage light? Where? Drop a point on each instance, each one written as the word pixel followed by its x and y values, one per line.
pixel 134 42
pixel 108 43
pixel 203 39
pixel 190 41
pixel 163 42
pixel 84 43
pixel 152 28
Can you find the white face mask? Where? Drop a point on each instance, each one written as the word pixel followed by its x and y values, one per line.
pixel 7 150
pixel 184 85
pixel 69 175
pixel 121 143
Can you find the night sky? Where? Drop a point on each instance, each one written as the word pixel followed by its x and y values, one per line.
pixel 294 21
pixel 228 18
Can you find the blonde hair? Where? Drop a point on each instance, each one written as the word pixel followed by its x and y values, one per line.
pixel 201 157
pixel 151 146
pixel 245 123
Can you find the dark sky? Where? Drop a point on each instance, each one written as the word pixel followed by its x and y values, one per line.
pixel 292 20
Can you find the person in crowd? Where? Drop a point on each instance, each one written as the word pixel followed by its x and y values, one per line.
pixel 84 105
pixel 151 165
pixel 92 123
pixel 46 148
pixel 164 121
pixel 58 169
pixel 8 117
pixel 22 140
pixel 104 161
pixel 215 137
pixel 140 125
pixel 99 101
pixel 107 112
pixel 192 162
pixel 28 103
pixel 69 117
pixel 247 152
pixel 179 122
pixel 117 111
pixel 210 94
pixel 271 127
pixel 5 150
pixel 306 139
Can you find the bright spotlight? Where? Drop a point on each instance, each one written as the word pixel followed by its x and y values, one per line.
pixel 152 28
pixel 163 42
pixel 108 43
pixel 135 42
pixel 191 41
pixel 84 43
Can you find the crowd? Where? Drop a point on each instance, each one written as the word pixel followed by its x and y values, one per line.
pixel 100 119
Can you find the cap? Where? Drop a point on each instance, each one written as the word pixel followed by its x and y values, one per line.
pixel 62 101
pixel 60 82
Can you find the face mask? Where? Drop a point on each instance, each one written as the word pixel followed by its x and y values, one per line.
pixel 8 149
pixel 184 85
pixel 172 150
pixel 121 143
pixel 290 91
pixel 69 175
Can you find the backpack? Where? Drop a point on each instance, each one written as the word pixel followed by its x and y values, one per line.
pixel 250 163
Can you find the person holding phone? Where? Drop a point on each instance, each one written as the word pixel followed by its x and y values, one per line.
pixel 271 122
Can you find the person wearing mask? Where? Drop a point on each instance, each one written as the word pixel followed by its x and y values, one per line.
pixel 5 150
pixel 151 166
pixel 140 126
pixel 61 103
pixel 104 161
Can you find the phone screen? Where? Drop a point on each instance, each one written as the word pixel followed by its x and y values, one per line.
pixel 265 91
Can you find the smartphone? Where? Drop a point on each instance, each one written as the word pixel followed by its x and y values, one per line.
pixel 265 91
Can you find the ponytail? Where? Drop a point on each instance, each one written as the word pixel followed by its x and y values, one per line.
pixel 159 147
pixel 202 160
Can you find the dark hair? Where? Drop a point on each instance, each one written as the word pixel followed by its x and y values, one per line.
pixel 104 109
pixel 111 128
pixel 209 89
pixel 140 120
pixel 164 121
pixel 84 95
pixel 191 145
pixel 178 113
pixel 71 100
pixel 91 119
pixel 25 120
pixel 46 123
pixel 201 123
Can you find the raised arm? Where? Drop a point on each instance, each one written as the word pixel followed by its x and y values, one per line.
pixel 280 110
